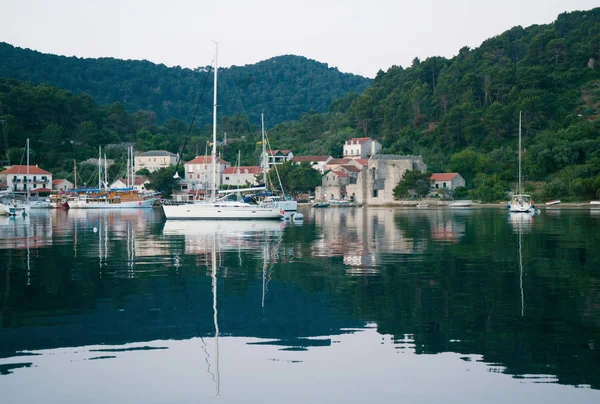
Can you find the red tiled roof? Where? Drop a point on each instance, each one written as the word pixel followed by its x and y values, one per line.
pixel 443 176
pixel 340 174
pixel 310 158
pixel 337 162
pixel 59 181
pixel 351 169
pixel 243 170
pixel 40 191
pixel 22 170
pixel 205 160
pixel 363 162
pixel 2 186
pixel 136 180
pixel 360 140
pixel 285 152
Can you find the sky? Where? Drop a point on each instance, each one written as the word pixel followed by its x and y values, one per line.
pixel 360 37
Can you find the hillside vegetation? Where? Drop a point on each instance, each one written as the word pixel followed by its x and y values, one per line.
pixel 462 113
pixel 283 87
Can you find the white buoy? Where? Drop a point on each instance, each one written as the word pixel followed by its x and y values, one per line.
pixel 297 217
pixel 95 230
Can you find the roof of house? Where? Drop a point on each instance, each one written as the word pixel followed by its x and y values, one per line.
pixel 59 181
pixel 3 186
pixel 363 162
pixel 138 180
pixel 156 153
pixel 333 162
pixel 275 152
pixel 340 173
pixel 351 168
pixel 205 160
pixel 22 170
pixel 310 158
pixel 243 170
pixel 443 176
pixel 41 190
pixel 394 157
pixel 359 140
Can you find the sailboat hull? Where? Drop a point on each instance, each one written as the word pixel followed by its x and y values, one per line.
pixel 216 211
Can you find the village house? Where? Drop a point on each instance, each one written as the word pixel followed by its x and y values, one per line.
pixel 198 173
pixel 361 148
pixel 62 185
pixel 317 162
pixel 20 178
pixel 140 183
pixel 154 160
pixel 443 183
pixel 241 176
pixel 278 156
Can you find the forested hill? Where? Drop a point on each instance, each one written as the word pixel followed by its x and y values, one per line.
pixel 283 87
pixel 462 114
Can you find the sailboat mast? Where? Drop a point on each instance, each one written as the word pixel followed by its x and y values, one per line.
pixel 105 172
pixel 519 186
pixel 214 145
pixel 99 168
pixel 27 176
pixel 75 172
pixel 264 148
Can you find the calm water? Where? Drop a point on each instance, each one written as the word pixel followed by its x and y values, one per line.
pixel 353 305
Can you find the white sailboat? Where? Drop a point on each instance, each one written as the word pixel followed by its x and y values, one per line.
pixel 220 209
pixel 521 202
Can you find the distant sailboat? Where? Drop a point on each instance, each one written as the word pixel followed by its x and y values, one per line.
pixel 521 202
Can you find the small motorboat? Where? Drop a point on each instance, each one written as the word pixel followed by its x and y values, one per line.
pixel 422 205
pixel 321 205
pixel 552 203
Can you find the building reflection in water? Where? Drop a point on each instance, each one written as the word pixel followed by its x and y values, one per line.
pixel 363 237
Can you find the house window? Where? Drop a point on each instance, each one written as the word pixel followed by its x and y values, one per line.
pixel 198 176
pixel 444 185
pixel 437 185
pixel 227 178
pixel 375 193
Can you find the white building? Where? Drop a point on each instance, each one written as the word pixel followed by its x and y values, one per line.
pixel 154 160
pixel 242 176
pixel 62 185
pixel 140 183
pixel 316 162
pixel 22 179
pixel 447 181
pixel 279 156
pixel 361 148
pixel 198 173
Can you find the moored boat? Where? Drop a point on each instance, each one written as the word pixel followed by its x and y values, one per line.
pixel 552 203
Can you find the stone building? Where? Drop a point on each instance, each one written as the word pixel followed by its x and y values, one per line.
pixel 375 183
pixel 445 181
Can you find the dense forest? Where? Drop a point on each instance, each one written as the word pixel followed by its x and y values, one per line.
pixel 283 87
pixel 460 114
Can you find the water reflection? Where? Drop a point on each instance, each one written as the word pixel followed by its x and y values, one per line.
pixel 473 291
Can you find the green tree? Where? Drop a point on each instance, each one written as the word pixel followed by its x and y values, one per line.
pixel 413 182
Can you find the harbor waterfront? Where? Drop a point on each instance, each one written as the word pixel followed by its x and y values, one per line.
pixel 350 305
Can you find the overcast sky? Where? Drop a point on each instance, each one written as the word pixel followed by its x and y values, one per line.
pixel 356 36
